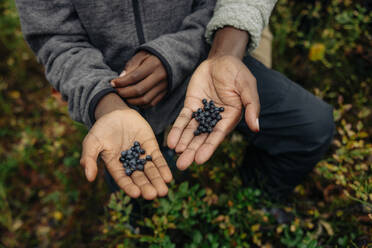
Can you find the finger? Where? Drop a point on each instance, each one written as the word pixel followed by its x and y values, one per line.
pixel 136 61
pixel 117 172
pixel 91 149
pixel 179 125
pixel 156 179
pixel 143 87
pixel 147 100
pixel 140 73
pixel 251 103
pixel 157 99
pixel 214 139
pixel 187 136
pixel 147 190
pixel 251 118
pixel 151 147
pixel 188 156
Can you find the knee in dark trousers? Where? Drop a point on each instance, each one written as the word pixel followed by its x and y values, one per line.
pixel 296 129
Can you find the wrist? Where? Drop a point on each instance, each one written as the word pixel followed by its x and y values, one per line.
pixel 229 41
pixel 109 103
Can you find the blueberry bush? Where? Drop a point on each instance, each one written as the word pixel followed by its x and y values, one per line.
pixel 45 201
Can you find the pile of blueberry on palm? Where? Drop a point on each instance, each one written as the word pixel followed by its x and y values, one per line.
pixel 208 116
pixel 131 159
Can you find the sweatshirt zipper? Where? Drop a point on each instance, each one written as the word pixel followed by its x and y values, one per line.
pixel 137 18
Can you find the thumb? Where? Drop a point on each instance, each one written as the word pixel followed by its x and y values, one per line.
pixel 91 150
pixel 251 104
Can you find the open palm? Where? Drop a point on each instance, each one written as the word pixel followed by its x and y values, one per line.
pixel 230 84
pixel 115 132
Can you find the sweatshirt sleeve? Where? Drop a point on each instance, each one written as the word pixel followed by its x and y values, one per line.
pixel 249 15
pixel 73 66
pixel 182 51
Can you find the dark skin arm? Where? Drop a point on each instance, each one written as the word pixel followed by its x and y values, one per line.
pixel 224 79
pixel 229 41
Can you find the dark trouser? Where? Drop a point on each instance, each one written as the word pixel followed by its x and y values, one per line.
pixel 296 129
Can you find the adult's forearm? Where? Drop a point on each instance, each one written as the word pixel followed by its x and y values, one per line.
pixel 108 104
pixel 229 41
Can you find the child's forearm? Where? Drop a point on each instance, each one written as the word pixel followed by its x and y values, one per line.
pixel 229 41
pixel 108 104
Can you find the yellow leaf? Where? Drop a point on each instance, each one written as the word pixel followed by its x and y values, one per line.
pixel 14 94
pixel 57 215
pixel 310 225
pixel 257 240
pixel 255 227
pixel 317 52
pixel 279 229
pixel 363 135
pixel 328 227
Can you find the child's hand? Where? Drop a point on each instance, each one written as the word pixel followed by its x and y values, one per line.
pixel 144 80
pixel 115 132
pixel 230 84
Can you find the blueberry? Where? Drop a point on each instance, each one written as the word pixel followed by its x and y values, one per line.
pixel 128 172
pixel 197 118
pixel 140 167
pixel 221 109
pixel 204 130
pixel 207 114
pixel 125 163
pixel 129 156
pixel 213 115
pixel 121 159
pixel 199 110
pixel 204 101
pixel 143 161
pixel 207 107
pixel 129 152
pixel 219 117
pixel 209 130
pixel 136 143
pixel 148 158
pixel 211 102
pixel 135 154
pixel 197 133
pixel 123 153
pixel 142 151
pixel 132 162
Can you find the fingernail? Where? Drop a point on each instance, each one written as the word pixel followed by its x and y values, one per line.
pixel 123 74
pixel 112 83
pixel 258 125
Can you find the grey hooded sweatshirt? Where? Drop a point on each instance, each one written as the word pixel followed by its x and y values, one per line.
pixel 83 44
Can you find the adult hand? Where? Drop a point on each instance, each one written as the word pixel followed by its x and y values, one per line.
pixel 115 132
pixel 230 84
pixel 143 81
